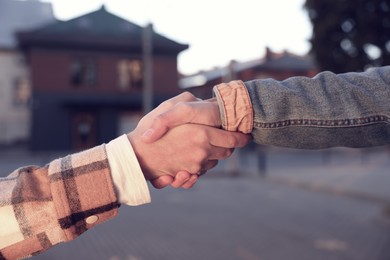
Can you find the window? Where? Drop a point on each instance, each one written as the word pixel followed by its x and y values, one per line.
pixel 130 74
pixel 83 72
pixel 21 92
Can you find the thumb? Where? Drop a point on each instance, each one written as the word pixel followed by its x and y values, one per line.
pixel 163 122
pixel 199 112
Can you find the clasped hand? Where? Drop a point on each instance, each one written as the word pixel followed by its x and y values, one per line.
pixel 181 139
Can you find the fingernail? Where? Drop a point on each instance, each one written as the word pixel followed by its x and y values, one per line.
pixel 148 132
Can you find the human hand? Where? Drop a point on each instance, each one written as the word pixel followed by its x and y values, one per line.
pixel 195 111
pixel 147 120
pixel 191 148
pixel 205 112
pixel 182 179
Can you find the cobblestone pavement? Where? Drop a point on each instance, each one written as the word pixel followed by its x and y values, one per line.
pixel 308 206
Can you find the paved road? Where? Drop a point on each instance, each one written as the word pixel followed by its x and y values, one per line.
pixel 310 205
pixel 246 219
pixel 361 173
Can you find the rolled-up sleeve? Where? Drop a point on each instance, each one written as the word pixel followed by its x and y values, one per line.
pixel 235 106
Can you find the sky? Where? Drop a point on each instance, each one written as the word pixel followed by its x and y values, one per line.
pixel 217 31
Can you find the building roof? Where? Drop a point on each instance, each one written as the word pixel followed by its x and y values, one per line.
pixel 284 61
pixel 99 29
pixel 21 15
pixel 204 76
pixel 288 61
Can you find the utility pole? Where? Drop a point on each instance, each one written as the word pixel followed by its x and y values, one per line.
pixel 147 52
pixel 234 161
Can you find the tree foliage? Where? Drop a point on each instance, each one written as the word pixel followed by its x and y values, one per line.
pixel 350 35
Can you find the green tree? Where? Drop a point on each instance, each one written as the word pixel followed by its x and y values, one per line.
pixel 350 35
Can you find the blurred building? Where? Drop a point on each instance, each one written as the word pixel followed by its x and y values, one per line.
pixel 274 65
pixel 87 78
pixel 14 75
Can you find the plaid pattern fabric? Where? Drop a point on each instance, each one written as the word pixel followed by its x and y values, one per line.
pixel 41 207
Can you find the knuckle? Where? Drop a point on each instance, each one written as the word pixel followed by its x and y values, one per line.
pixel 202 136
pixel 199 156
pixel 202 155
pixel 228 152
pixel 160 120
pixel 167 104
pixel 195 168
pixel 243 140
pixel 231 141
pixel 191 182
pixel 187 96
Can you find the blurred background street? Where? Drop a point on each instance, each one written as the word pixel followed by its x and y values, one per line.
pixel 74 75
pixel 331 204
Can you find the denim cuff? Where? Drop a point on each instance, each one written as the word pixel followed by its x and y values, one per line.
pixel 235 106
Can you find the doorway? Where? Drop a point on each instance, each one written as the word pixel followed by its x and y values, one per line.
pixel 84 131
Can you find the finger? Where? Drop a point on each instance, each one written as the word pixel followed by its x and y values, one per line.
pixel 194 177
pixel 162 181
pixel 183 97
pixel 180 178
pixel 213 99
pixel 158 129
pixel 205 113
pixel 162 123
pixel 226 139
pixel 219 153
pixel 175 116
pixel 159 122
pixel 191 182
pixel 209 165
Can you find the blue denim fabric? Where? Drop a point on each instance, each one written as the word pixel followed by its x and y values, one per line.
pixel 329 110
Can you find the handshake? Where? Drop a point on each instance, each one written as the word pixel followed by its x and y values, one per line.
pixel 182 139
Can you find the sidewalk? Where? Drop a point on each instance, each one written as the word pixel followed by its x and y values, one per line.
pixel 358 173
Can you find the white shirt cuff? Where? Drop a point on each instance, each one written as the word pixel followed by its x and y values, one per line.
pixel 129 181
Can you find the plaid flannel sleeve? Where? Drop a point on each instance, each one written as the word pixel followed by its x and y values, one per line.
pixel 41 207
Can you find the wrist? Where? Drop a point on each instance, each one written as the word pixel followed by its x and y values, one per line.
pixel 140 154
pixel 215 112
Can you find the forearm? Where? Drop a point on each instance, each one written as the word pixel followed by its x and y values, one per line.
pixel 41 207
pixel 329 110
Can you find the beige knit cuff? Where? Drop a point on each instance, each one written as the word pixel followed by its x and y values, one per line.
pixel 235 106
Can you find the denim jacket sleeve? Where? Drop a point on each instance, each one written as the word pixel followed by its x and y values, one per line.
pixel 351 109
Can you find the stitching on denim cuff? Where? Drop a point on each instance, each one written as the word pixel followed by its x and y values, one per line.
pixel 326 123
